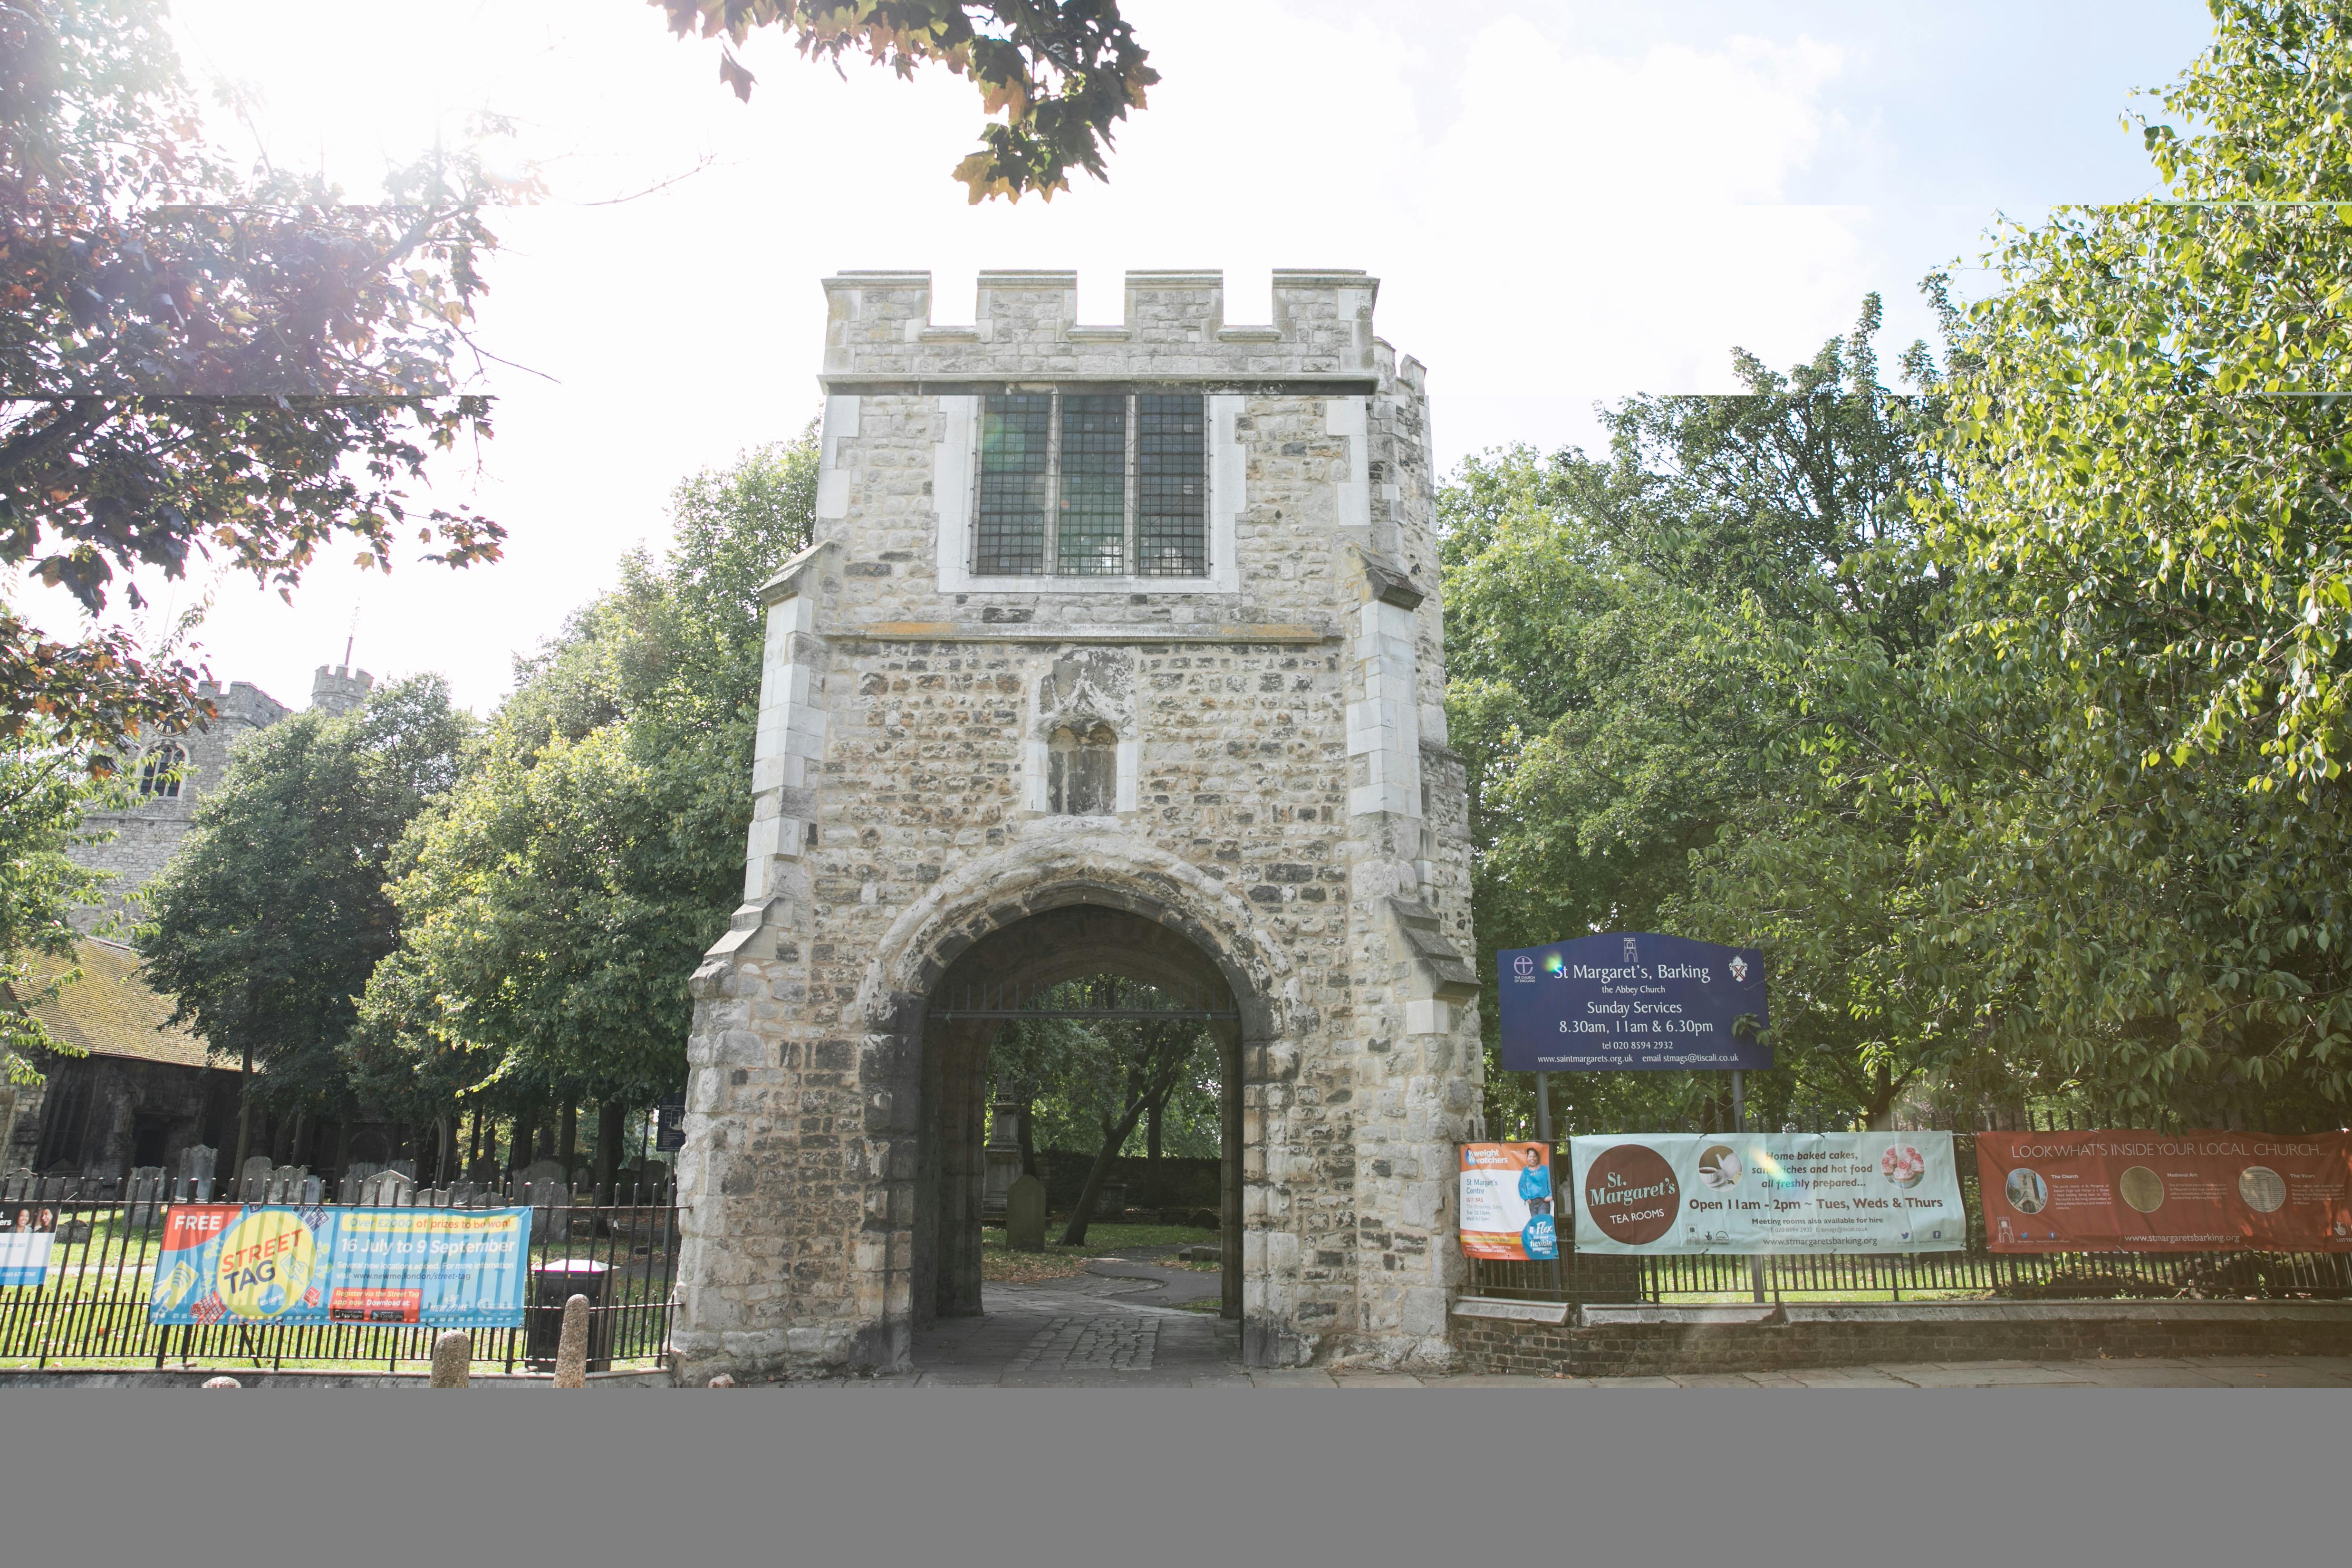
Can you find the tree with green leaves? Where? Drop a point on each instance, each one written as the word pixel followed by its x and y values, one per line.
pixel 198 359
pixel 1639 652
pixel 1099 1080
pixel 269 921
pixel 44 793
pixel 1062 72
pixel 554 904
pixel 2148 512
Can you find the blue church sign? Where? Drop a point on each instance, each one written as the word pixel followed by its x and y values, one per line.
pixel 1631 1001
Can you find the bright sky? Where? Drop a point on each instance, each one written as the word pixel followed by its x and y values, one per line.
pixel 1564 203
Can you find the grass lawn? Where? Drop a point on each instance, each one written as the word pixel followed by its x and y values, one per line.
pixel 1059 1262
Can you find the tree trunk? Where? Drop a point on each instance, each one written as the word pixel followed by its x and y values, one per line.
pixel 1152 1150
pixel 1879 1115
pixel 299 1154
pixel 519 1146
pixel 567 1146
pixel 445 1150
pixel 1028 1142
pixel 1075 1234
pixel 474 1154
pixel 609 1114
pixel 244 1118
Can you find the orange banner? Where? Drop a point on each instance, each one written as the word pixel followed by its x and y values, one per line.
pixel 2166 1192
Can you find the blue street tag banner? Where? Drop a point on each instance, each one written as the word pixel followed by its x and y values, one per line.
pixel 1636 1002
pixel 276 1263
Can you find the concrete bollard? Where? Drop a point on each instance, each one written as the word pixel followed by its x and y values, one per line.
pixel 724 1380
pixel 453 1357
pixel 572 1348
pixel 221 1383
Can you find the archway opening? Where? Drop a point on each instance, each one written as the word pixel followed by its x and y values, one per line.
pixel 1051 1047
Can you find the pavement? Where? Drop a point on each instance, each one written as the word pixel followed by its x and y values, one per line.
pixel 1124 1323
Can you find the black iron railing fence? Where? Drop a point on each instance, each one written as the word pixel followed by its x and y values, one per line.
pixel 89 1310
pixel 1975 1271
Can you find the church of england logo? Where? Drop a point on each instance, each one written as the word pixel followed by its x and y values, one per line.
pixel 1524 966
pixel 1739 967
pixel 1629 956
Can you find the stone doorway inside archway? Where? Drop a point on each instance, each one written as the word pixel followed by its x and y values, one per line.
pixel 1052 1047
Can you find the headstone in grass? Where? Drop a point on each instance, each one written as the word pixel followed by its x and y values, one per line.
pixel 550 1198
pixel 355 1177
pixel 196 1165
pixel 253 1180
pixel 141 1198
pixel 1024 1215
pixel 387 1189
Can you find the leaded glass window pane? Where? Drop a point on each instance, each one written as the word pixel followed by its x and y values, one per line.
pixel 1171 536
pixel 1014 432
pixel 1093 536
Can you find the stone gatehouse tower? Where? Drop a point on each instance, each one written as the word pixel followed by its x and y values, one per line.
pixel 1118 651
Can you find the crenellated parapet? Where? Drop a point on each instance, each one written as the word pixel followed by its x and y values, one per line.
pixel 879 336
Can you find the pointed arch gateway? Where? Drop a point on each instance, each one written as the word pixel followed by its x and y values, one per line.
pixel 995 938
pixel 1010 975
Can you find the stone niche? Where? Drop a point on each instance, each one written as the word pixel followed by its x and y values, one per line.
pixel 1118 651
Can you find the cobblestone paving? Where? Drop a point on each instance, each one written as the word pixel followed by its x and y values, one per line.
pixel 1105 1342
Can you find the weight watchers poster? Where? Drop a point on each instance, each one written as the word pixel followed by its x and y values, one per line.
pixel 225 1262
pixel 1506 1202
pixel 1777 1192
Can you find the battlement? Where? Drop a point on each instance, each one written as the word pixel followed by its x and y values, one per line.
pixel 879 336
pixel 339 688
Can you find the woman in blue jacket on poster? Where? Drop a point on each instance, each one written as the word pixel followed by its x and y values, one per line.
pixel 1539 1238
pixel 1535 1180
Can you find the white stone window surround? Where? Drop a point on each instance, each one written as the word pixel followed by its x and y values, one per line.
pixel 955 484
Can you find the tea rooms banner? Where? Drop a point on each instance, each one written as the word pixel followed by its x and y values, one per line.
pixel 1768 1192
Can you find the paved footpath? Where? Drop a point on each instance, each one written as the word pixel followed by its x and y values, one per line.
pixel 1123 1324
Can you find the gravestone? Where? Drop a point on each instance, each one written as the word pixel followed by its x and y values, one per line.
pixel 286 1183
pixel 142 1196
pixel 19 1184
pixel 387 1189
pixel 252 1179
pixel 314 1191
pixel 196 1163
pixel 1111 1203
pixel 548 1193
pixel 1002 1157
pixel 1024 1215
pixel 355 1177
pixel 405 1168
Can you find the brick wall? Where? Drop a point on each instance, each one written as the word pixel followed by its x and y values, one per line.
pixel 1635 1342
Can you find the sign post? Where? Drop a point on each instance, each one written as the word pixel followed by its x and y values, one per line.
pixel 1740 1124
pixel 1543 1132
pixel 1636 1001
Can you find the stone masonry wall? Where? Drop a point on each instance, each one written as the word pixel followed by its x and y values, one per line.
pixel 899 811
pixel 146 836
